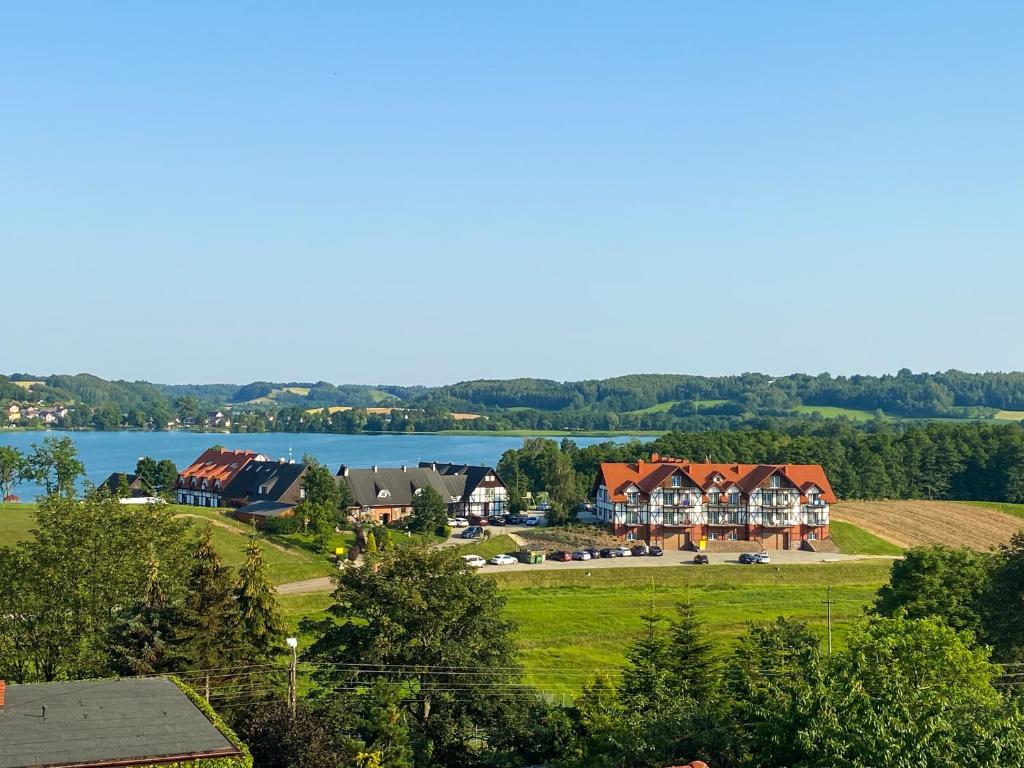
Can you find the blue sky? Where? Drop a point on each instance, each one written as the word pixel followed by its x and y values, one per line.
pixel 431 192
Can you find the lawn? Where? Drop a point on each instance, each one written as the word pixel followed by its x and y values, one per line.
pixel 656 408
pixel 852 540
pixel 572 624
pixel 1017 510
pixel 488 548
pixel 833 412
pixel 15 522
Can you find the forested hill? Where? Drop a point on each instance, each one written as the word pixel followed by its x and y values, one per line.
pixel 641 401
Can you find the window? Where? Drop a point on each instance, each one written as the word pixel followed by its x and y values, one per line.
pixel 630 536
pixel 775 481
pixel 263 490
pixel 812 536
pixel 714 497
pixel 677 481
pixel 302 493
pixel 633 497
pixel 384 494
pixel 712 537
pixel 734 499
pixel 731 536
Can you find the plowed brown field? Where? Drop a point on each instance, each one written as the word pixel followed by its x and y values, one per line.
pixel 911 523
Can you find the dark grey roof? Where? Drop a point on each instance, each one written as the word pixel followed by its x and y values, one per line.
pixel 474 474
pixel 275 476
pixel 265 508
pixel 400 484
pixel 91 722
pixel 113 483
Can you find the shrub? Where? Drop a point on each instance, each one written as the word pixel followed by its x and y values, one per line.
pixel 288 524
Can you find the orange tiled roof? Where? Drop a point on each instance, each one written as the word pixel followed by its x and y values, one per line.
pixel 646 475
pixel 215 465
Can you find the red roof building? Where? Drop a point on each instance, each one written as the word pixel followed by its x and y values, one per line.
pixel 681 504
pixel 202 483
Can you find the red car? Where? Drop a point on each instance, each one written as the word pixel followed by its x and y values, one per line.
pixel 561 557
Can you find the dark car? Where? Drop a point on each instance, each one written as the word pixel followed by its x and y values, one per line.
pixel 639 550
pixel 748 558
pixel 477 520
pixel 516 520
pixel 473 532
pixel 701 559
pixel 496 520
pixel 594 553
pixel 655 551
pixel 608 552
pixel 561 556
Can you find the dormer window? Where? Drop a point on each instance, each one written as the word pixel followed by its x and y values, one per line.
pixel 677 481
pixel 633 497
pixel 384 494
pixel 262 490
pixel 775 481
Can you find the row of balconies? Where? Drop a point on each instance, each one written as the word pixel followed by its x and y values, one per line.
pixel 804 517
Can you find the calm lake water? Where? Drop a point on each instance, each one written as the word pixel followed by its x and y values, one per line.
pixel 106 452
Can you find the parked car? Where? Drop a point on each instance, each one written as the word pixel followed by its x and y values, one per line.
pixel 516 519
pixel 701 559
pixel 623 552
pixel 478 520
pixel 503 560
pixel 638 550
pixel 748 558
pixel 763 558
pixel 450 522
pixel 473 532
pixel 496 520
pixel 655 551
pixel 594 554
pixel 461 522
pixel 561 556
pixel 581 554
pixel 544 507
pixel 608 552
pixel 474 561
pixel 533 520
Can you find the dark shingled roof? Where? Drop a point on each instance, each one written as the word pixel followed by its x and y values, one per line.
pixel 474 474
pixel 400 484
pixel 276 477
pixel 134 483
pixel 89 723
pixel 265 508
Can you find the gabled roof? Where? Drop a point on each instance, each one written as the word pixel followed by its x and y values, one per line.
pixel 401 485
pixel 647 476
pixel 216 465
pixel 134 483
pixel 93 723
pixel 474 474
pixel 275 477
pixel 265 509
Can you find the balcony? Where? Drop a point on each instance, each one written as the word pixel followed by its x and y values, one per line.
pixel 677 519
pixel 779 521
pixel 727 518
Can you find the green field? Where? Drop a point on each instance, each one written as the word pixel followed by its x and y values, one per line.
pixel 656 408
pixel 488 548
pixel 833 412
pixel 15 522
pixel 852 540
pixel 1017 510
pixel 571 624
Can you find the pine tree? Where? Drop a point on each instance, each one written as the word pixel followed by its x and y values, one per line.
pixel 385 730
pixel 259 616
pixel 690 654
pixel 208 635
pixel 371 543
pixel 140 644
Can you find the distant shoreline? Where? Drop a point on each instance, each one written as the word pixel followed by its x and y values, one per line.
pixel 443 432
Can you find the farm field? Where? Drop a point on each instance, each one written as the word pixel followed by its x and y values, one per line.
pixel 1017 510
pixel 832 412
pixel 913 523
pixel 571 625
pixel 1009 415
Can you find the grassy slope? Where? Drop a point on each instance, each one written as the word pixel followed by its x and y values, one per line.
pixel 488 548
pixel 570 620
pixel 15 522
pixel 1017 510
pixel 852 540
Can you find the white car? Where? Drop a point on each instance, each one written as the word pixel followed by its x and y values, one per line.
pixel 624 552
pixel 503 560
pixel 459 522
pixel 474 561
pixel 450 522
pixel 763 559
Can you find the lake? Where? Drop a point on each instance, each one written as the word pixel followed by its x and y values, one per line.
pixel 106 452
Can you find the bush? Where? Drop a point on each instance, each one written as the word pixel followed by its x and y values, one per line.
pixel 443 530
pixel 288 524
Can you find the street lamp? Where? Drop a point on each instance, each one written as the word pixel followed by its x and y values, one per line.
pixel 293 643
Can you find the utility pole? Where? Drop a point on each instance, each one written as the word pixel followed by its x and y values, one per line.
pixel 829 602
pixel 293 643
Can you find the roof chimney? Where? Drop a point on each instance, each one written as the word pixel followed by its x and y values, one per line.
pixel 375 468
pixel 3 692
pixel 404 469
pixel 343 470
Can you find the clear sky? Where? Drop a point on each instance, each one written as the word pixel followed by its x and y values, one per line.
pixel 427 192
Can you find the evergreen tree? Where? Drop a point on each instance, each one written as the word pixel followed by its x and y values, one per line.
pixel 259 617
pixel 140 644
pixel 208 634
pixel 385 729
pixel 690 655
pixel 371 544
